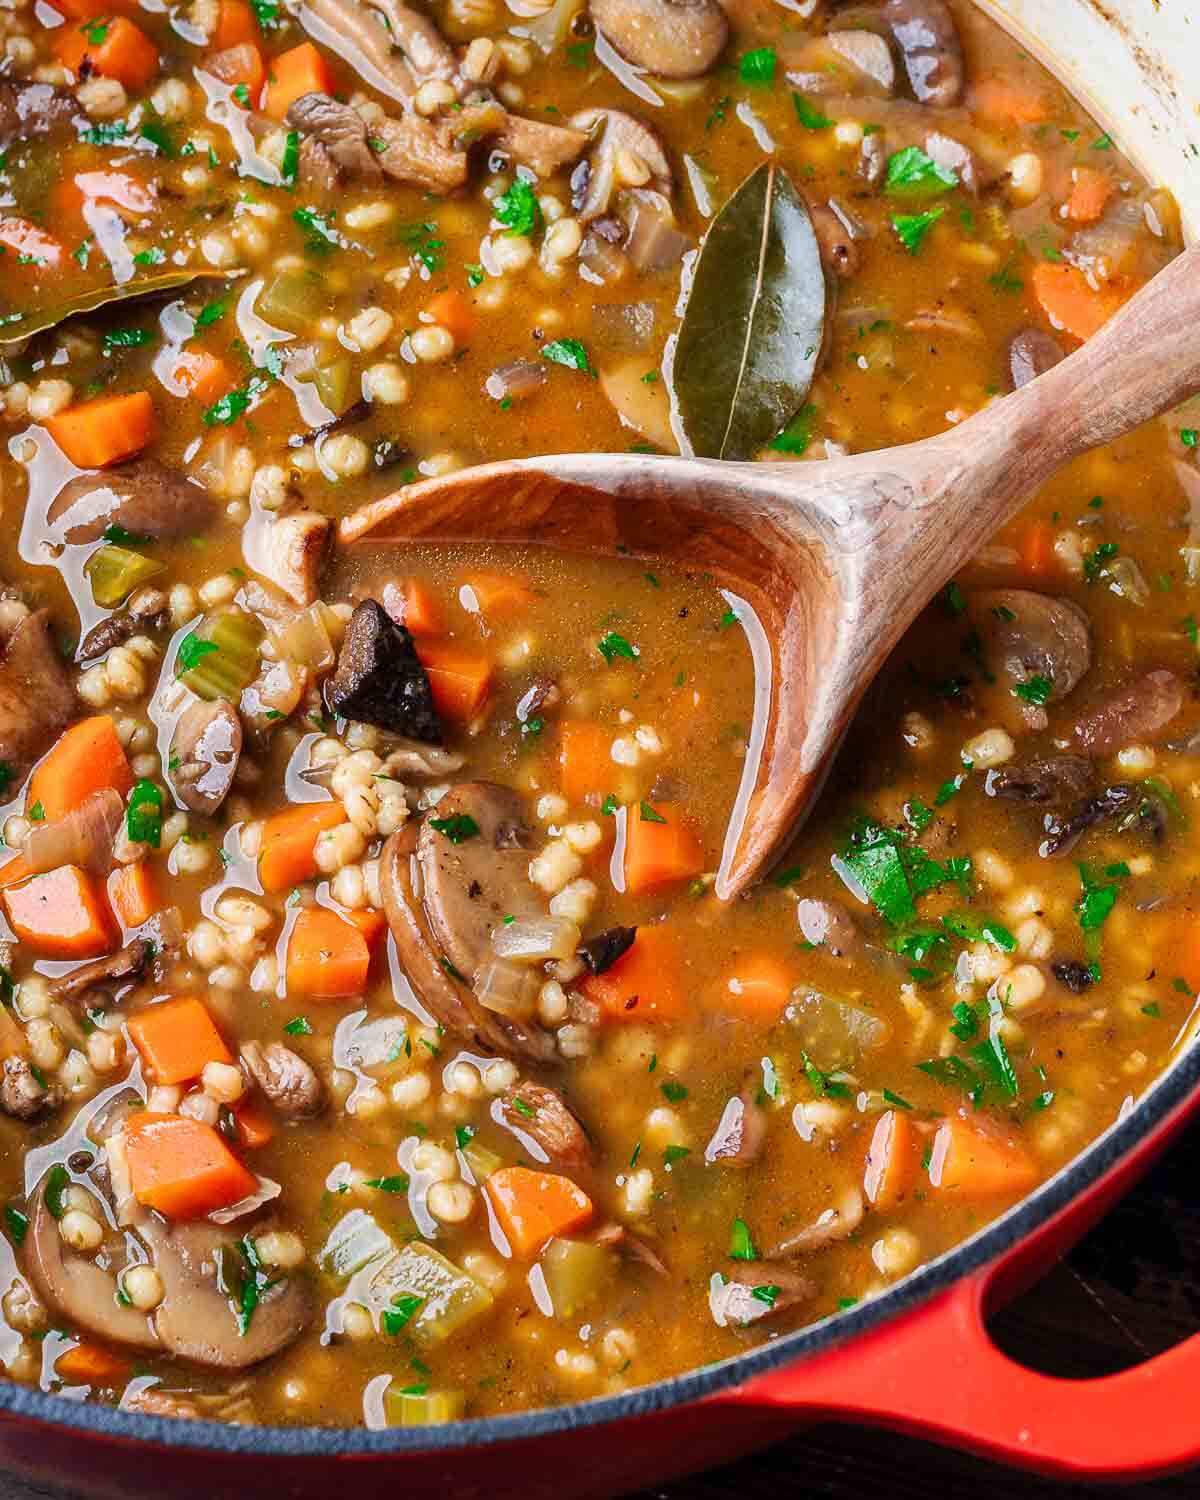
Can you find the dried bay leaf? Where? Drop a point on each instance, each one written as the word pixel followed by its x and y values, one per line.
pixel 744 358
pixel 16 327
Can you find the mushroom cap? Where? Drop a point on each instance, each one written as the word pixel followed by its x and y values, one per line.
pixel 205 749
pixel 668 38
pixel 1026 633
pixel 143 496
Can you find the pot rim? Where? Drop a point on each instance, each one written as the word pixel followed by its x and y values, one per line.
pixel 1178 1086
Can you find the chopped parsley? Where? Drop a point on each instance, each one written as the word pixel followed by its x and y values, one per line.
pixel 192 651
pixel 458 828
pixel 568 352
pixel 675 1092
pixel 143 816
pixel 741 1245
pixel 757 66
pixel 912 228
pixel 912 173
pixel 1094 562
pixel 823 1085
pixel 16 1223
pixel 518 209
pixel 808 114
pixel 127 338
pixel 299 1026
pixel 211 313
pixel 397 1183
pixel 1035 689
pixel 613 645
pixel 235 404
pixel 405 1306
pixel 797 436
pixel 648 814
pixel 672 1154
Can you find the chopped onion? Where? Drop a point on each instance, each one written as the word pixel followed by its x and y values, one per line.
pixel 508 989
pixel 532 940
pixel 84 837
pixel 1124 577
pixel 654 243
pixel 304 639
pixel 267 1191
pixel 512 382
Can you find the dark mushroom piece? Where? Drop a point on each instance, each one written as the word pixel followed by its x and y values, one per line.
pixel 617 1237
pixel 123 967
pixel 840 254
pixel 1062 834
pixel 1075 975
pixel 290 1084
pixel 834 1224
pixel 1031 353
pixel 1139 714
pixel 37 697
pixel 616 133
pixel 143 497
pixel 205 749
pixel 145 610
pixel 538 145
pixel 734 1303
pixel 22 1094
pixel 602 951
pixel 542 1120
pixel 360 37
pixel 1025 634
pixel 442 985
pixel 925 32
pixel 668 38
pixel 33 109
pixel 742 1130
pixel 1044 783
pixel 828 925
pixel 335 146
pixel 379 678
pixel 415 36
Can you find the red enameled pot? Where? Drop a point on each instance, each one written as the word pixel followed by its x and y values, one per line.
pixel 917 1359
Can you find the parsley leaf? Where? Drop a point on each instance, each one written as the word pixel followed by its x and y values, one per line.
pixel 518 209
pixel 568 352
pixel 912 173
pixel 912 228
pixel 458 828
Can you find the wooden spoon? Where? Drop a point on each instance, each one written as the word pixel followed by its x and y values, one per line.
pixel 835 558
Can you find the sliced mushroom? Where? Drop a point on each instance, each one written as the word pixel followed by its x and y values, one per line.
pixel 196 1319
pixel 1031 353
pixel 22 1094
pixel 32 109
pixel 285 1078
pixel 289 551
pixel 413 150
pixel 840 254
pixel 668 38
pixel 620 143
pixel 600 952
pixel 1062 834
pixel 424 49
pixel 78 1289
pixel 749 1293
pixel 470 885
pixel 123 967
pixel 1026 635
pixel 379 678
pixel 143 497
pixel 516 381
pixel 417 762
pixel 872 159
pixel 146 610
pixel 625 1242
pixel 339 133
pixel 540 146
pixel 542 1117
pixel 925 32
pixel 37 698
pixel 827 925
pixel 834 1224
pixel 442 988
pixel 1076 976
pixel 1047 782
pixel 741 1132
pixel 360 37
pixel 952 156
pixel 869 54
pixel 205 749
pixel 158 1403
pixel 1139 714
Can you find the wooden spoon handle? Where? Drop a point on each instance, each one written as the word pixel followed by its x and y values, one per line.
pixel 1144 361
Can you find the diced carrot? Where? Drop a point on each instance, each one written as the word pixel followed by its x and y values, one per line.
pixel 1070 301
pixel 13 870
pixel 1007 99
pixel 1036 548
pixel 460 679
pixel 371 923
pixel 646 982
pixel 891 1160
pixel 85 10
pixel 242 66
pixel 1090 193
pixel 496 593
pixel 235 24
pixel 86 758
pixel 253 1121
pixel 660 849
pixel 176 1038
pixel 328 957
pixel 534 1207
pixel 181 1167
pixel 104 431
pixel 26 249
pixel 287 853
pixel 452 310
pixel 419 612
pixel 584 754
pixel 92 1364
pixel 293 74
pixel 978 1161
pixel 113 48
pixel 203 375
pixel 60 914
pixel 758 987
pixel 134 893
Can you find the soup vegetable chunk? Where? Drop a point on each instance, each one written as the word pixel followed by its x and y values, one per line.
pixel 374 1047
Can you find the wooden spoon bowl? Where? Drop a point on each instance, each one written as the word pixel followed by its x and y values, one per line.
pixel 832 560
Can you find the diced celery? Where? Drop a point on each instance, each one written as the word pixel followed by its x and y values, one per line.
pixel 414 1407
pixel 835 1032
pixel 221 656
pixel 114 572
pixel 481 1161
pixel 292 300
pixel 354 1241
pixel 447 1298
pixel 333 384
pixel 576 1271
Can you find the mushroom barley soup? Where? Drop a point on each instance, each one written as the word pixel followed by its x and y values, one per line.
pixel 375 1047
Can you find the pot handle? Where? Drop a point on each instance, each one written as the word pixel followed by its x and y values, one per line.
pixel 936 1374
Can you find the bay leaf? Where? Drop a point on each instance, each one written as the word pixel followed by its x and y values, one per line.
pixel 754 322
pixel 15 328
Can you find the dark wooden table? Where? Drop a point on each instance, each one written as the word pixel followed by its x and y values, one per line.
pixel 1130 1290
